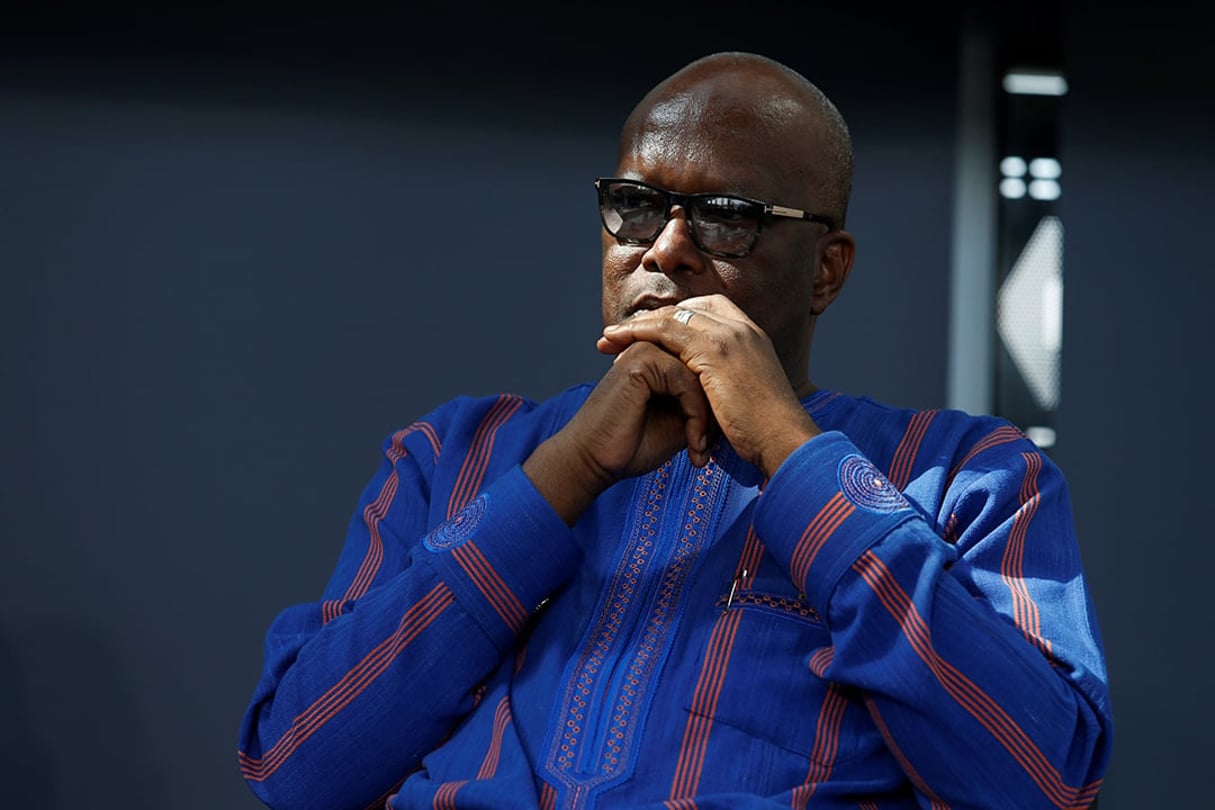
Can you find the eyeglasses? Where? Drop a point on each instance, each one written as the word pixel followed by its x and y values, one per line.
pixel 721 224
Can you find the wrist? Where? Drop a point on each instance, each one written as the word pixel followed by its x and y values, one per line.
pixel 565 478
pixel 783 443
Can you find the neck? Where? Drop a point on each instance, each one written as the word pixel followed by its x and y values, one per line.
pixel 796 369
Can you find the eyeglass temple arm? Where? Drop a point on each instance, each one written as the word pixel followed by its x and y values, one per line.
pixel 797 213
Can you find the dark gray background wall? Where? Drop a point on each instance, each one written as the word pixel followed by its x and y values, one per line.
pixel 1136 427
pixel 239 249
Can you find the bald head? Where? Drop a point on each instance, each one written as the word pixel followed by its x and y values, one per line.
pixel 734 95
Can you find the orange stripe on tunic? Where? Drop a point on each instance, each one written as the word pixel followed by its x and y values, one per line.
pixel 431 436
pixel 373 514
pixel 689 766
pixel 822 659
pixel 1026 614
pixel 491 585
pixel 489 766
pixel 967 694
pixel 691 760
pixel 748 562
pixel 680 804
pixel 352 684
pixel 445 796
pixel 826 746
pixel 950 533
pixel 829 518
pixel 477 460
pixel 899 756
pixel 1001 435
pixel 903 462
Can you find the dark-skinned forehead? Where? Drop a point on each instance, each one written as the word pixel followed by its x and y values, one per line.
pixel 726 94
pixel 744 100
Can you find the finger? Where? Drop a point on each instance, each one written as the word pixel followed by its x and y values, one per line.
pixel 675 318
pixel 717 304
pixel 684 386
pixel 607 346
pixel 697 417
pixel 700 434
pixel 667 376
pixel 615 339
pixel 662 327
pixel 619 349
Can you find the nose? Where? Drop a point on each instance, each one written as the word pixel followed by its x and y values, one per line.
pixel 674 251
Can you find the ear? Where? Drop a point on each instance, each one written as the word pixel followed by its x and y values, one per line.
pixel 835 253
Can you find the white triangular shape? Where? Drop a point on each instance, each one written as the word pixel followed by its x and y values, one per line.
pixel 1029 317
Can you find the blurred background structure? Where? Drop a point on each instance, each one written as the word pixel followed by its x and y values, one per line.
pixel 238 247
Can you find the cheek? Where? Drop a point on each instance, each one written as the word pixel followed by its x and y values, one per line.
pixel 738 285
pixel 617 266
pixel 774 300
pixel 618 259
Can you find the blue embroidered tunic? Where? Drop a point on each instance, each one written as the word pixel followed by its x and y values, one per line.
pixel 898 618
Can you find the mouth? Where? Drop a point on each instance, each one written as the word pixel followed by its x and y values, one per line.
pixel 646 303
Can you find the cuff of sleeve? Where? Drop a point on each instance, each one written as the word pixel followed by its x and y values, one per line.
pixel 822 509
pixel 503 554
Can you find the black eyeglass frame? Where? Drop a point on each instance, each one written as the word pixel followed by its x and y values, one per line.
pixel 765 212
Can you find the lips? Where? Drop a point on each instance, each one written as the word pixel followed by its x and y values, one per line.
pixel 648 302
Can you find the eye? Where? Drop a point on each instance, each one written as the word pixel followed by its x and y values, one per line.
pixel 724 225
pixel 633 213
pixel 728 211
pixel 636 198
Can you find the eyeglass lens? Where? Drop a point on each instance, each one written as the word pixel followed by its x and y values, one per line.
pixel 720 224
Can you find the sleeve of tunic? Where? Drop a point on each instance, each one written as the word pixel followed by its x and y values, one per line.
pixel 434 583
pixel 970 632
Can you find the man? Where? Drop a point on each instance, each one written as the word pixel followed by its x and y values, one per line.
pixel 701 582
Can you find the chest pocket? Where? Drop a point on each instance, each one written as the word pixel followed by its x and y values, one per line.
pixel 757 661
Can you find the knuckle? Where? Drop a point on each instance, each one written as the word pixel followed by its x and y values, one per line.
pixel 638 361
pixel 722 343
pixel 640 352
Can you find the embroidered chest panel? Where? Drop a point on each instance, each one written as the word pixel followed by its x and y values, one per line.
pixel 607 686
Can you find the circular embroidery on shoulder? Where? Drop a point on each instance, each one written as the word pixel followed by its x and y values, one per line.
pixel 867 488
pixel 459 527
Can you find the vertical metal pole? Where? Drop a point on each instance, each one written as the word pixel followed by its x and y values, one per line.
pixel 971 307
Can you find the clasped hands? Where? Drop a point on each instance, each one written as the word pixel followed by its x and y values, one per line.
pixel 675 383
